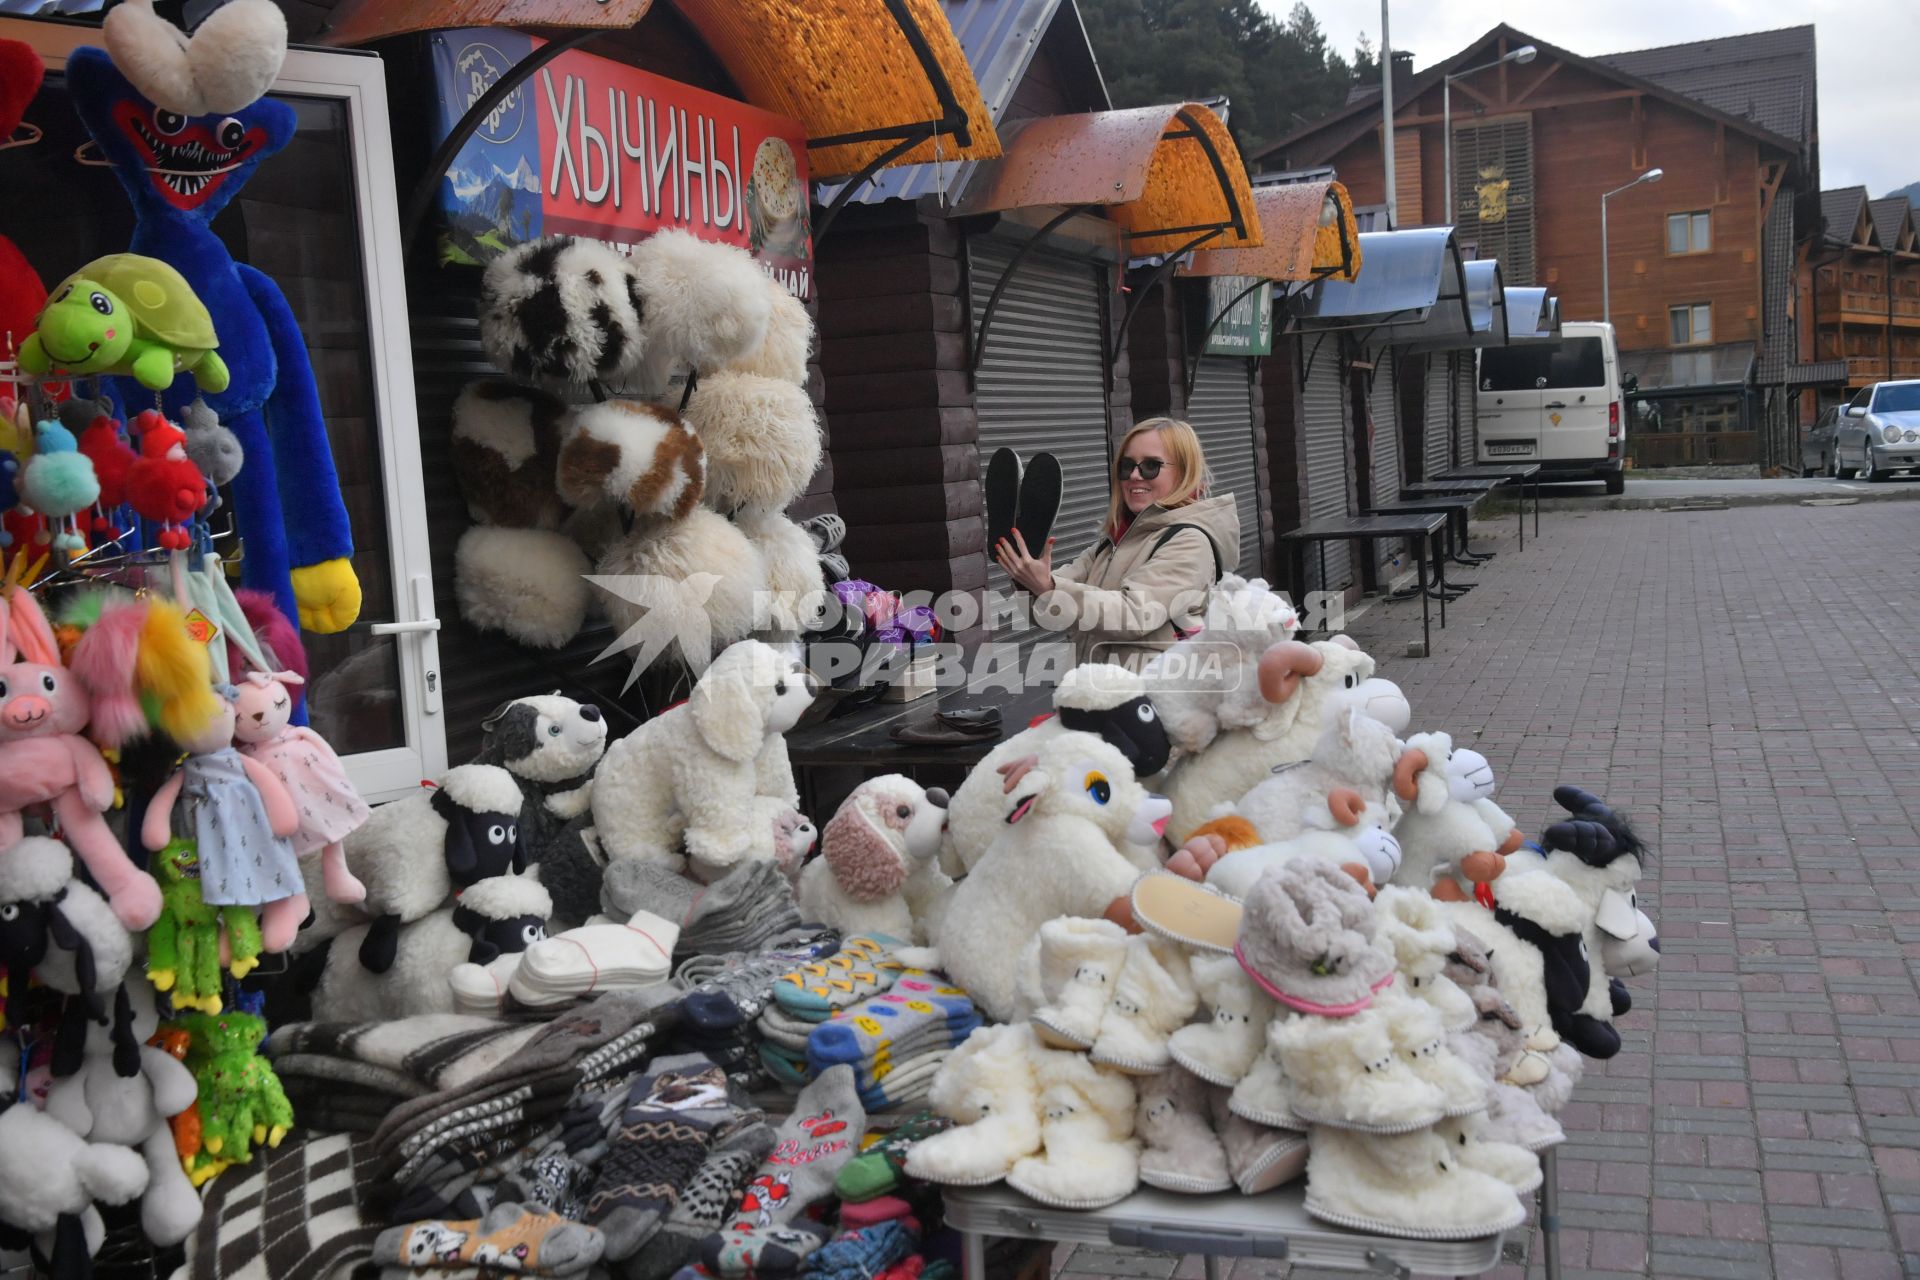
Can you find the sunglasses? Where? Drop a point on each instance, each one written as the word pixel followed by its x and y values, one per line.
pixel 1149 468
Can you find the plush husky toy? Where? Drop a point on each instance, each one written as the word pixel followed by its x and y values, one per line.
pixel 551 745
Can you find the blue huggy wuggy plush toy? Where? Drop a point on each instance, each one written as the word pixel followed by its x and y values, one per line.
pixel 180 171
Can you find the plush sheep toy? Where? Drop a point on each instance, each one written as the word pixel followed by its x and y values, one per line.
pixel 1066 809
pixel 50 1178
pixel 53 926
pixel 682 786
pixel 1447 845
pixel 1596 852
pixel 1209 682
pixel 878 860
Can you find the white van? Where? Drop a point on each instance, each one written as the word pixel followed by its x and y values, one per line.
pixel 1560 406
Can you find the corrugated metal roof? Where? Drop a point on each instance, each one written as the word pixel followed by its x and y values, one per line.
pixel 1889 219
pixel 999 38
pixel 1764 76
pixel 1840 210
pixel 1825 373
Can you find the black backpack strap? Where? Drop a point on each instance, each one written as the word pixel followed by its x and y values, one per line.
pixel 1166 536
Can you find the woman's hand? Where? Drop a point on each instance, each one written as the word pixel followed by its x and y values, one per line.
pixel 1035 574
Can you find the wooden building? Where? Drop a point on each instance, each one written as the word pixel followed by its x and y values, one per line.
pixel 1700 264
pixel 1859 296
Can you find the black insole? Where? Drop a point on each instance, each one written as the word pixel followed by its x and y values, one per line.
pixel 1003 496
pixel 1040 491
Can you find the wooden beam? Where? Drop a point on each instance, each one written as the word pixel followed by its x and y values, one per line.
pixel 1572 100
pixel 1545 76
pixel 1638 158
pixel 1461 86
pixel 1770 176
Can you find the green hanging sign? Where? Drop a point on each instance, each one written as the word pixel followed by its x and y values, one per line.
pixel 1247 327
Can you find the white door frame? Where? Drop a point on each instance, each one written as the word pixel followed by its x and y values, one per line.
pixel 359 80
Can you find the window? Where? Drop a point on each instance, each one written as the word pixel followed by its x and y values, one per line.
pixel 1689 233
pixel 1895 397
pixel 1691 324
pixel 1577 362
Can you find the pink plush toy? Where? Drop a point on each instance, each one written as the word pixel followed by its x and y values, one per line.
pixel 44 760
pixel 330 809
pixel 240 815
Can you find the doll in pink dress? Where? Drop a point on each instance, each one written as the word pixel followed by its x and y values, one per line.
pixel 330 809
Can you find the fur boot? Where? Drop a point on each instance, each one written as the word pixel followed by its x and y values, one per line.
pixel 1259 1157
pixel 1175 1122
pixel 1079 962
pixel 1513 1116
pixel 1345 1071
pixel 1223 1050
pixel 1263 1095
pixel 987 1089
pixel 1153 998
pixel 1422 1041
pixel 1411 1185
pixel 1420 940
pixel 1091 1158
pixel 1514 1165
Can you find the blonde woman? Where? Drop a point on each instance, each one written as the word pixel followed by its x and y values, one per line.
pixel 1144 583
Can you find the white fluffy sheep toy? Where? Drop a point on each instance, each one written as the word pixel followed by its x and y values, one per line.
pixel 1301 685
pixel 682 786
pixel 1095 697
pixel 1209 681
pixel 1447 846
pixel 413 854
pixel 50 1179
pixel 499 916
pixel 1066 811
pixel 878 860
pixel 55 927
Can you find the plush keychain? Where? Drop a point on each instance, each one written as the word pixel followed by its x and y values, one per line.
pixel 239 815
pixel 183 947
pixel 126 314
pixel 329 808
pixel 59 482
pixel 163 485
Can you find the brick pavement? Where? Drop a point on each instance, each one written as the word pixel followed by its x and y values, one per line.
pixel 1746 683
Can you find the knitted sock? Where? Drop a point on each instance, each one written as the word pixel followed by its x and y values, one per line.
pixel 781 1027
pixel 759 1252
pixel 787 1068
pixel 813 1144
pixel 632 885
pixel 855 1255
pixel 871 1213
pixel 914 1015
pixel 510 1237
pixel 861 968
pixel 673 1113
pixel 708 1198
pixel 711 1013
pixel 741 910
pixel 908 1082
pixel 878 1169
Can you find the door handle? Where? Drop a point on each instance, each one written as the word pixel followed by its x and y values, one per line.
pixel 1556 404
pixel 405 628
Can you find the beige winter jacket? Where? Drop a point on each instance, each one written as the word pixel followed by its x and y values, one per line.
pixel 1128 598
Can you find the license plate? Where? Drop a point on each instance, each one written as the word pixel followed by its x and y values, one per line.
pixel 1500 449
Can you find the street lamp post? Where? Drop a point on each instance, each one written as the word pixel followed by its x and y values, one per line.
pixel 1521 56
pixel 1606 291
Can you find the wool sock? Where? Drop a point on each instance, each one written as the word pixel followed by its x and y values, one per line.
pixel 673 1113
pixel 510 1237
pixel 738 912
pixel 908 1083
pixel 708 1198
pixel 821 1135
pixel 878 1169
pixel 856 1255
pixel 861 968
pixel 868 1213
pixel 711 1013
pixel 761 1252
pixel 781 1027
pixel 632 885
pixel 788 1069
pixel 899 1023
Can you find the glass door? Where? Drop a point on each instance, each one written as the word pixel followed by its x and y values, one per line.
pixel 320 218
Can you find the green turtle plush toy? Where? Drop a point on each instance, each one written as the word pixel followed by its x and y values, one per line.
pixel 126 314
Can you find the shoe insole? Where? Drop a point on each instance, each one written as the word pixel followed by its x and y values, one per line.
pixel 1040 491
pixel 1003 496
pixel 1177 908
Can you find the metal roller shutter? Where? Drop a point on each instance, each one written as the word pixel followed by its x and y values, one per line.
pixel 1324 405
pixel 1466 441
pixel 1221 411
pixel 1384 401
pixel 1437 430
pixel 1042 388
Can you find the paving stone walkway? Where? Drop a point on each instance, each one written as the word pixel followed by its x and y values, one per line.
pixel 1746 683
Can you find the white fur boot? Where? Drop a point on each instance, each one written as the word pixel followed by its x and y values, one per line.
pixel 1079 964
pixel 1513 1116
pixel 1092 1159
pixel 1174 1121
pixel 1346 1071
pixel 1153 998
pixel 1223 1050
pixel 1514 1165
pixel 1262 1095
pixel 1259 1157
pixel 1410 1184
pixel 987 1088
pixel 1422 1041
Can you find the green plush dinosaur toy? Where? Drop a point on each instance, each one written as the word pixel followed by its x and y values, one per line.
pixel 241 1101
pixel 125 313
pixel 183 947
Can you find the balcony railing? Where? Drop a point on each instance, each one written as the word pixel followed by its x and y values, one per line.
pixel 1864 369
pixel 1691 448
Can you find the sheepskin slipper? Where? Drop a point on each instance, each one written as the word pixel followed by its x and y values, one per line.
pixel 1514 1165
pixel 1079 962
pixel 707 304
pixel 762 438
pixel 1153 998
pixel 1422 1041
pixel 530 584
pixel 1345 1072
pixel 1177 909
pixel 1513 1116
pixel 1175 1123
pixel 1223 1050
pixel 784 351
pixel 1262 1095
pixel 1307 940
pixel 1420 939
pixel 1091 1158
pixel 655 567
pixel 1260 1157
pixel 987 1089
pixel 1411 1185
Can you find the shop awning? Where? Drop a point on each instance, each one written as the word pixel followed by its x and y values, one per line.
pixel 1823 373
pixel 870 80
pixel 1533 317
pixel 1170 175
pixel 1410 280
pixel 1486 300
pixel 1307 232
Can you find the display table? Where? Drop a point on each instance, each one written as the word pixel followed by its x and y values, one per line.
pixel 1274 1225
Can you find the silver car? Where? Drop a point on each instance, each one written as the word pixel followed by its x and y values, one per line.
pixel 1879 432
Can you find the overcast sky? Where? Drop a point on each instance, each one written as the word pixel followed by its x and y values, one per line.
pixel 1869 111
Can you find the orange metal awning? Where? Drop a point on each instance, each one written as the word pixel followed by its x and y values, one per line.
pixel 1169 173
pixel 361 21
pixel 1309 233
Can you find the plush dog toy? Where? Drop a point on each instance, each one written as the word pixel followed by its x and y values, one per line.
pixel 878 860
pixel 179 170
pixel 552 746
pixel 690 775
pixel 1066 809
